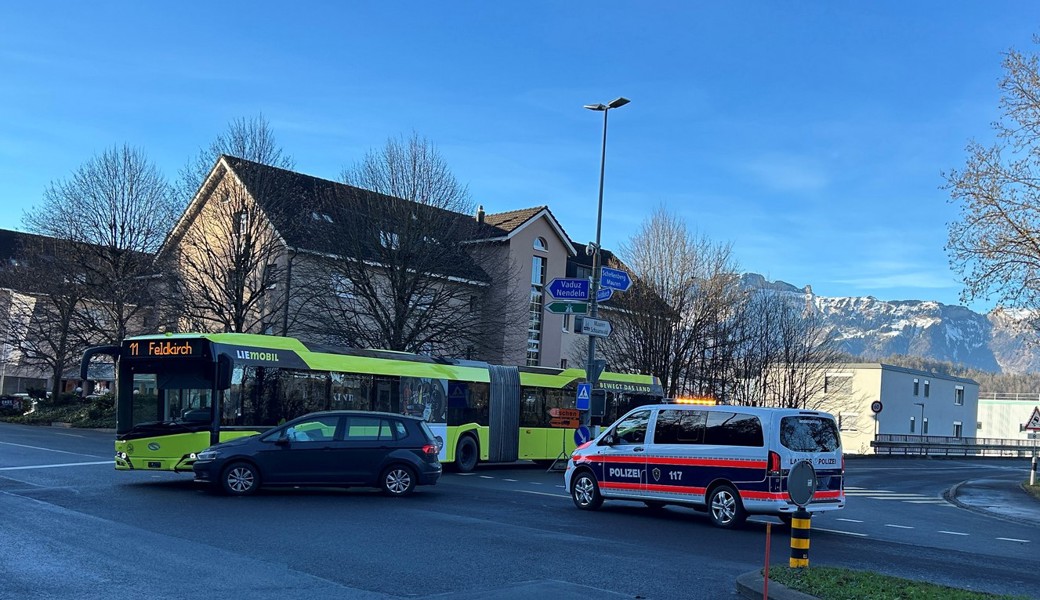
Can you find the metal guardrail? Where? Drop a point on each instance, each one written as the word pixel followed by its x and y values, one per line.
pixel 937 445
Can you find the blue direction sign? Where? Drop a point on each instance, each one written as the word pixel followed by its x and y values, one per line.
pixel 569 289
pixel 615 279
pixel 582 435
pixel 604 294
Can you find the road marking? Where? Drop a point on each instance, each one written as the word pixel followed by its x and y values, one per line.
pixel 48 449
pixel 507 479
pixel 1013 540
pixel 543 494
pixel 486 477
pixel 70 435
pixel 465 474
pixel 952 532
pixel 898 526
pixel 841 532
pixel 850 520
pixel 79 464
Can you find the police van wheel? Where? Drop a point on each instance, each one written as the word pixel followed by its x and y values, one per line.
pixel 725 508
pixel 585 492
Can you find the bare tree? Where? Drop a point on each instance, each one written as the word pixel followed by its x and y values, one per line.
pixel 995 242
pixel 401 275
pixel 229 267
pixel 230 261
pixel 250 138
pixel 115 209
pixel 673 325
pixel 49 298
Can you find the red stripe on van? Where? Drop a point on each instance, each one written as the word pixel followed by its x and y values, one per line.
pixel 674 460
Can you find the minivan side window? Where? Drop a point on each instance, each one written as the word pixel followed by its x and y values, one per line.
pixel 632 430
pixel 809 434
pixel 680 427
pixel 733 429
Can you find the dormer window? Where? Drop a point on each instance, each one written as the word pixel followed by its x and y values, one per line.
pixel 320 216
pixel 540 245
pixel 389 239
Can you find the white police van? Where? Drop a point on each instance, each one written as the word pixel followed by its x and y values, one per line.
pixel 731 461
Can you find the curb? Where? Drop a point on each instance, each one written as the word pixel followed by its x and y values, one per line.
pixel 950 496
pixel 749 585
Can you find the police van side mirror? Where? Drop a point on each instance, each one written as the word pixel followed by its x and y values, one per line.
pixel 610 439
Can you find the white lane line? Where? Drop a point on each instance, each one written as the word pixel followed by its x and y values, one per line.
pixel 952 532
pixel 1013 540
pixel 508 479
pixel 79 464
pixel 535 482
pixel 48 449
pixel 898 526
pixel 544 494
pixel 841 532
pixel 71 435
pixel 850 520
pixel 486 477
pixel 465 474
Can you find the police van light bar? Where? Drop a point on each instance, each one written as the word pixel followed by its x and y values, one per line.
pixel 704 401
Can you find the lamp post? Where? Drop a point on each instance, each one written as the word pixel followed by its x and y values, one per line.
pixel 591 373
pixel 921 404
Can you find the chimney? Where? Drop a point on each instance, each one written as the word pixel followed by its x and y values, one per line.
pixel 480 214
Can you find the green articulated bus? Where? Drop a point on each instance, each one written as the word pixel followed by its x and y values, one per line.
pixel 176 394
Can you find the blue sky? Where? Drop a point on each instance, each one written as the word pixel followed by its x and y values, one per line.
pixel 810 135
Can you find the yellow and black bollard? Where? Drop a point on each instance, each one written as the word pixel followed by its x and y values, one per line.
pixel 800 538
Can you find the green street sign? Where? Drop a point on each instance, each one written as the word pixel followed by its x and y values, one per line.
pixel 567 308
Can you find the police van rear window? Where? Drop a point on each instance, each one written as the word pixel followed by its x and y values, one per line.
pixel 809 434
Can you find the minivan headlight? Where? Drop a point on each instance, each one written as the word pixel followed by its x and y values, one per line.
pixel 208 454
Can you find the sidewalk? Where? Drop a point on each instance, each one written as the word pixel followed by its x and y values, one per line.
pixel 1001 498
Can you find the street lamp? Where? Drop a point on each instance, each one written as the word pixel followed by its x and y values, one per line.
pixel 591 372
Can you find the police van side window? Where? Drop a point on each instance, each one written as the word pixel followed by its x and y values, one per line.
pixel 632 430
pixel 733 429
pixel 679 427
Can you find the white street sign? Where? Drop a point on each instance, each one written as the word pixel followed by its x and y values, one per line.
pixel 595 327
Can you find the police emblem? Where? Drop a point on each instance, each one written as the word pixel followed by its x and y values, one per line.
pixel 657 474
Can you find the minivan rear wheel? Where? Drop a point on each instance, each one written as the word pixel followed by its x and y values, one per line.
pixel 397 480
pixel 725 508
pixel 585 491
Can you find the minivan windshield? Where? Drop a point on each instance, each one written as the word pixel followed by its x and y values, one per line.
pixel 808 433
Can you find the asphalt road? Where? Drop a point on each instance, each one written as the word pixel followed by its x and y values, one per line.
pixel 72 527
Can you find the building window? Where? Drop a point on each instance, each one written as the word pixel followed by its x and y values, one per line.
pixel 242 223
pixel 917 387
pixel 534 325
pixel 924 426
pixel 958 395
pixel 563 363
pixel 539 244
pixel 912 422
pixel 566 323
pixel 472 304
pixel 837 384
pixel 583 272
pixel 957 429
pixel 926 388
pixel 847 421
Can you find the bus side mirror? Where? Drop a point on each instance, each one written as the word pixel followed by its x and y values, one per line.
pixel 223 372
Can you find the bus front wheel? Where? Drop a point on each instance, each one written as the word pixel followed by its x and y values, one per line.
pixel 466 454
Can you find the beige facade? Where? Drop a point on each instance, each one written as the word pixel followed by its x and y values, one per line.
pixel 911 402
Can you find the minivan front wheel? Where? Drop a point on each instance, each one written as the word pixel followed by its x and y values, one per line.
pixel 240 479
pixel 585 491
pixel 725 508
pixel 397 480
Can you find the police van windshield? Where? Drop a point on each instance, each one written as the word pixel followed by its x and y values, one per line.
pixel 806 433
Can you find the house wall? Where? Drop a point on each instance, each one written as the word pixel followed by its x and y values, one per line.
pixel 894 388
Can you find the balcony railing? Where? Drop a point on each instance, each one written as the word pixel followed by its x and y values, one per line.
pixel 938 445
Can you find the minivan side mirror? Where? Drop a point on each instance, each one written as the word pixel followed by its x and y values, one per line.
pixel 283 440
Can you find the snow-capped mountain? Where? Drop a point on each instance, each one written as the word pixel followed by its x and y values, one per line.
pixel 874 329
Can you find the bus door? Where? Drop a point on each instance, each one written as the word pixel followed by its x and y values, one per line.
pixel 624 461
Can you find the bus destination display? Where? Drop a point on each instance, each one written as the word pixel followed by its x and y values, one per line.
pixel 165 348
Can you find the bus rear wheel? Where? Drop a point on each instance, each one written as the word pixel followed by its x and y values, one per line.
pixel 466 454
